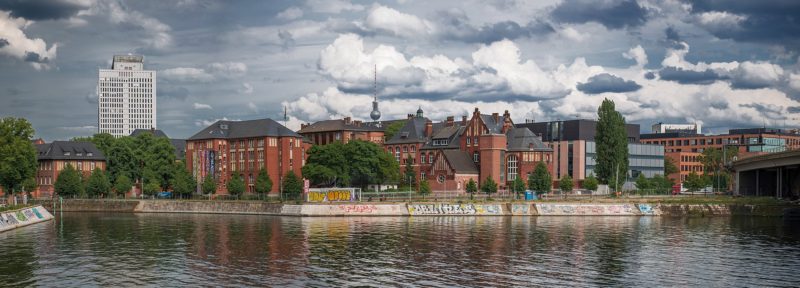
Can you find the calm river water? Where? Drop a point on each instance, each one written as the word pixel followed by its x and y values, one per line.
pixel 123 250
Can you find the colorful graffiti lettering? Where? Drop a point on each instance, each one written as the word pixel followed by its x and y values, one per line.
pixel 578 209
pixel 38 215
pixel 453 209
pixel 28 213
pixel 646 209
pixel 9 219
pixel 21 217
pixel 331 196
pixel 358 208
pixel 520 209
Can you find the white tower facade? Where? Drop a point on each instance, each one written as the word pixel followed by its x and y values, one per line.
pixel 126 96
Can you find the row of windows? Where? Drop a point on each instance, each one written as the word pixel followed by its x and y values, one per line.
pixel 45 180
pixel 690 168
pixel 124 74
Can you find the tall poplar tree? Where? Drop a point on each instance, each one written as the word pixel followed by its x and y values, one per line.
pixel 611 146
pixel 17 153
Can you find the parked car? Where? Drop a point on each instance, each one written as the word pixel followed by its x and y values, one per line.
pixel 164 195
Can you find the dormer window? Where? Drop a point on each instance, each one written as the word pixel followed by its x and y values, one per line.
pixel 90 154
pixel 440 142
pixel 67 153
pixel 404 134
pixel 79 154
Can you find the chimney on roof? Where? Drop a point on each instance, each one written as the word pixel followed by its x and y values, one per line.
pixel 303 126
pixel 347 120
pixel 410 116
pixel 428 128
pixel 506 115
pixel 464 120
pixel 357 123
pixel 450 121
pixel 495 116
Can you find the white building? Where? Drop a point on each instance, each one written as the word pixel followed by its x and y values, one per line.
pixel 126 96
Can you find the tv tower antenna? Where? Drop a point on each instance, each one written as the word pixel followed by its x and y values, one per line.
pixel 375 114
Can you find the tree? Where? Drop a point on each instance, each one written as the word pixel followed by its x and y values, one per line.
pixel 669 166
pixel 235 185
pixel 159 157
pixel 29 185
pixel 392 129
pixel 642 183
pixel 388 168
pixel 17 153
pixel 661 184
pixel 356 163
pixel 714 165
pixel 151 188
pixel 327 165
pixel 590 182
pixel 292 186
pixel 121 159
pixel 611 141
pixel 183 184
pixel 566 184
pixel 540 181
pixel 263 182
pixel 98 184
pixel 518 186
pixel 122 185
pixel 409 177
pixel 424 188
pixel 694 182
pixel 69 182
pixel 209 185
pixel 472 187
pixel 489 186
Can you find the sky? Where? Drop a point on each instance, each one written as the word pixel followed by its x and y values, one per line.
pixel 724 64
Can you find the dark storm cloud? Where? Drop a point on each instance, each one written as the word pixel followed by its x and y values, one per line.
pixel 650 75
pixel 41 9
pixel 672 34
pixel 3 43
pixel 35 57
pixel 616 15
pixel 771 111
pixel 456 26
pixel 793 109
pixel 689 77
pixel 720 105
pixel 771 21
pixel 605 82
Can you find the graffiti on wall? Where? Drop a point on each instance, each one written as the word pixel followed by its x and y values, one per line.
pixel 331 196
pixel 454 209
pixel 646 209
pixel 38 215
pixel 588 209
pixel 358 208
pixel 523 209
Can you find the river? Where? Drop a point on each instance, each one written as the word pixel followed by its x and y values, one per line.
pixel 149 250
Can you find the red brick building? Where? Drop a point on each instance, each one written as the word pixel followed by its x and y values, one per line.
pixel 54 157
pixel 343 130
pixel 685 148
pixel 450 153
pixel 243 148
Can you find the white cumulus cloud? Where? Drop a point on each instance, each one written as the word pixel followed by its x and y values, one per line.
pixel 200 106
pixel 15 43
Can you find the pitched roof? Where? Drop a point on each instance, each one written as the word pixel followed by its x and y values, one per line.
pixel 522 139
pixel 155 132
pixel 451 133
pixel 495 127
pixel 412 132
pixel 341 125
pixel 224 129
pixel 460 161
pixel 68 150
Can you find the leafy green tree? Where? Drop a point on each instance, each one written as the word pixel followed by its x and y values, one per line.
pixel 642 183
pixel 489 186
pixel 540 181
pixel 661 184
pixel 209 185
pixel 17 153
pixel 151 188
pixel 29 185
pixel 122 185
pixel 669 166
pixel 327 165
pixel 590 182
pixel 472 187
pixel 565 184
pixel 356 163
pixel 292 186
pixel 364 162
pixel 69 182
pixel 392 129
pixel 518 186
pixel 409 177
pixel 611 141
pixel 159 158
pixel 388 169
pixel 235 185
pixel 263 182
pixel 183 184
pixel 694 182
pixel 121 159
pixel 98 184
pixel 424 188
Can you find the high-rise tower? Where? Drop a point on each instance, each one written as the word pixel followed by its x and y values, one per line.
pixel 126 96
pixel 375 114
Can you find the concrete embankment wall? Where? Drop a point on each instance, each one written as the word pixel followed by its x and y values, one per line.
pixel 419 209
pixel 17 218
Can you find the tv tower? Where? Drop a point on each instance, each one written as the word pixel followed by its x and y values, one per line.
pixel 375 114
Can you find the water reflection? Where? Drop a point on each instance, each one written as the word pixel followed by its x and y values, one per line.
pixel 95 249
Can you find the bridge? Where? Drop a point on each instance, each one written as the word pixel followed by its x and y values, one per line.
pixel 775 174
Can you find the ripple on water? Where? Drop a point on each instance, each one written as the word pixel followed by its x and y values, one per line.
pixel 151 250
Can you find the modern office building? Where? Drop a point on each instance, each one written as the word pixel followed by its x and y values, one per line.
pixel 243 148
pixel 574 149
pixel 126 96
pixel 685 148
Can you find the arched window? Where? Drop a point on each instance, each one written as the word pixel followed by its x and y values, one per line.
pixel 512 167
pixel 422 158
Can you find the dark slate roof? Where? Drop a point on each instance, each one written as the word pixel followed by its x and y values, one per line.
pixel 57 150
pixel 522 139
pixel 224 129
pixel 155 132
pixel 495 127
pixel 412 132
pixel 445 132
pixel 460 161
pixel 340 125
pixel 453 136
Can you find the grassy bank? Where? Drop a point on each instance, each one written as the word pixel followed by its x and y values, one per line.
pixel 13 207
